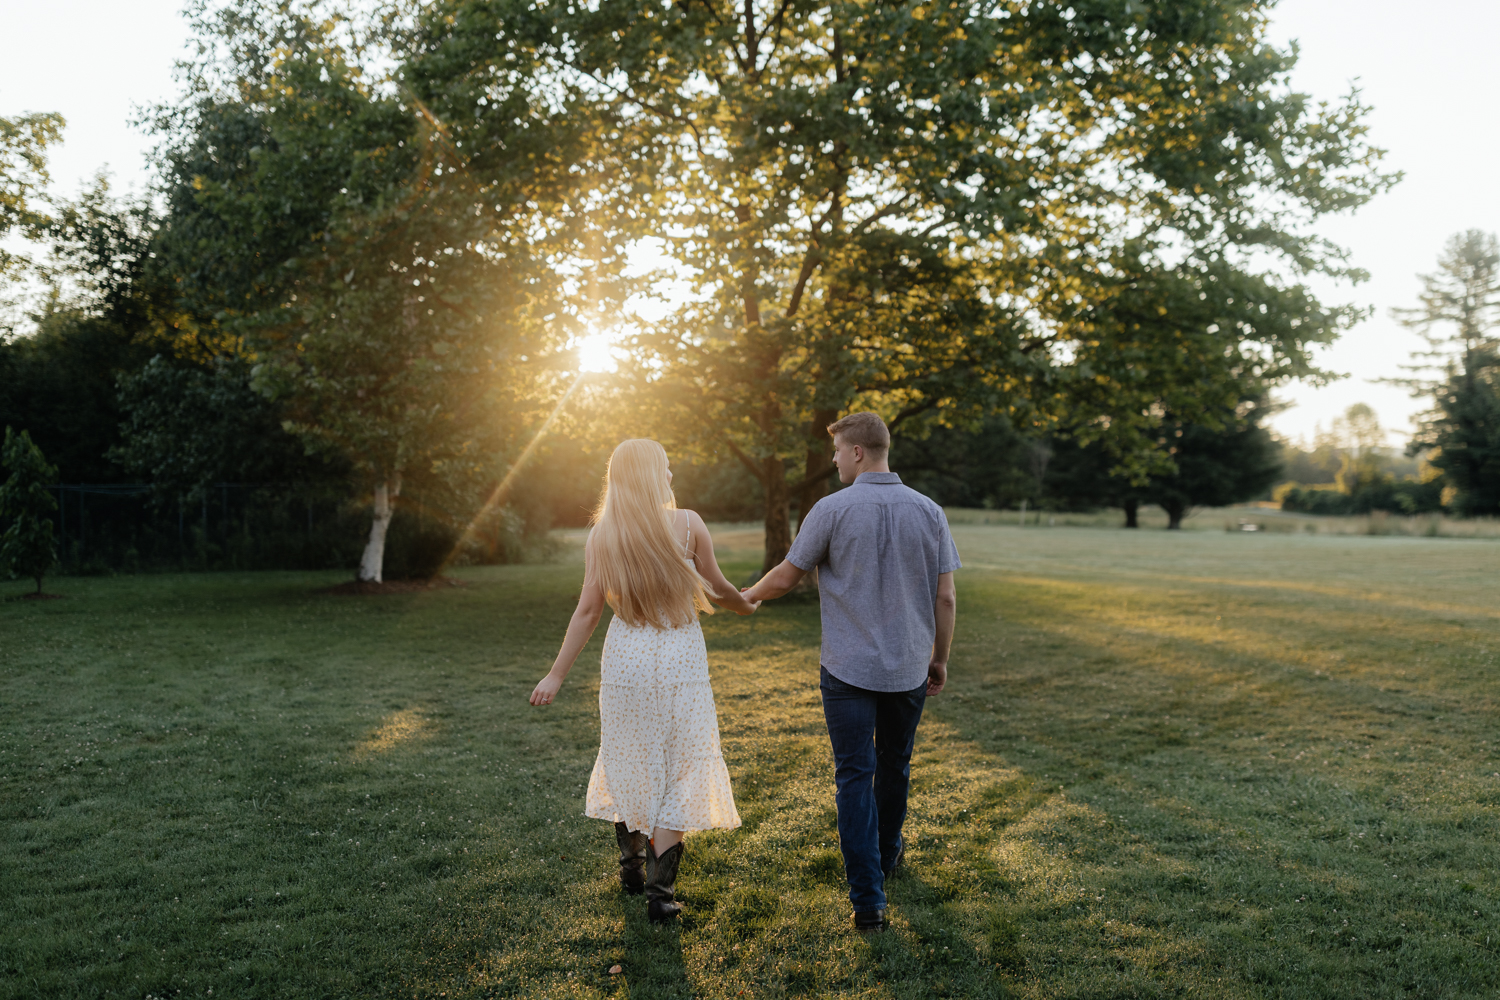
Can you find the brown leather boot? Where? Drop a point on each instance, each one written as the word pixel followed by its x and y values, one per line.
pixel 633 848
pixel 661 884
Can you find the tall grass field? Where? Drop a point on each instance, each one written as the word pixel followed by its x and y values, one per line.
pixel 1200 763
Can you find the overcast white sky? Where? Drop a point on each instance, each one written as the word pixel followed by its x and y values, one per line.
pixel 1429 71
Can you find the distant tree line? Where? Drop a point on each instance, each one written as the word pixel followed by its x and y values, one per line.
pixel 1452 463
pixel 1038 238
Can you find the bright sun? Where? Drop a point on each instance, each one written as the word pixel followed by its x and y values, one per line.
pixel 596 354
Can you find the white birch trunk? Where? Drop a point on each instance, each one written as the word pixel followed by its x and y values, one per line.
pixel 372 563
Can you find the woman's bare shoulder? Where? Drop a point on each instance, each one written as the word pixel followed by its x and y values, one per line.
pixel 696 524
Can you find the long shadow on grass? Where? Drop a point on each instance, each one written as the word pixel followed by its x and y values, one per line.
pixel 1160 852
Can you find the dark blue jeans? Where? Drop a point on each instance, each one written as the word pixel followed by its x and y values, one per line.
pixel 872 734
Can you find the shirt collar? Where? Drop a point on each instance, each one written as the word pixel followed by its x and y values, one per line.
pixel 880 478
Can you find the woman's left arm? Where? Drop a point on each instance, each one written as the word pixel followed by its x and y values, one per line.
pixel 724 593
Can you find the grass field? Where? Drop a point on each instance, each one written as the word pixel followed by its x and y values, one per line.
pixel 1189 764
pixel 1251 516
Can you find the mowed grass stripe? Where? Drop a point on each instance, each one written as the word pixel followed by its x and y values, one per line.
pixel 232 782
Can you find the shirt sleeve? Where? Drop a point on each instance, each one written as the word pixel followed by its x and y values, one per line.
pixel 810 547
pixel 947 552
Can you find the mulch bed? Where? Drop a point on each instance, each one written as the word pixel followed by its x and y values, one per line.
pixel 363 587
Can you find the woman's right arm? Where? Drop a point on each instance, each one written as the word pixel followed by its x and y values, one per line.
pixel 585 619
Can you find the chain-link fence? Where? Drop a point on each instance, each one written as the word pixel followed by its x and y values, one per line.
pixel 134 527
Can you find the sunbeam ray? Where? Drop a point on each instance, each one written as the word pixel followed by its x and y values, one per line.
pixel 498 495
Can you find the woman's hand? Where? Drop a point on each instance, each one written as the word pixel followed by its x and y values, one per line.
pixel 546 689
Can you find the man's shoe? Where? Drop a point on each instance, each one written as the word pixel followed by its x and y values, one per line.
pixel 869 921
pixel 900 856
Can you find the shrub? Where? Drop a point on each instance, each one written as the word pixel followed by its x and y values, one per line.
pixel 27 547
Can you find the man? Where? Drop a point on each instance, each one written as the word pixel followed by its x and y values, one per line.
pixel 885 562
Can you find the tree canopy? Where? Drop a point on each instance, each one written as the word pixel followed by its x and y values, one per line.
pixel 378 237
pixel 1089 213
pixel 1078 223
pixel 23 177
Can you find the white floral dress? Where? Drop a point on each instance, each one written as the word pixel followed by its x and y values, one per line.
pixel 659 762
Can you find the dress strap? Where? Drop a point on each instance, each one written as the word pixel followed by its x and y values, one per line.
pixel 687 534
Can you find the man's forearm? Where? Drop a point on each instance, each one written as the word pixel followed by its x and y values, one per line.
pixel 944 639
pixel 945 614
pixel 782 578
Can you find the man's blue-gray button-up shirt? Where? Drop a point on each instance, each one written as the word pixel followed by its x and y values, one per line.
pixel 879 548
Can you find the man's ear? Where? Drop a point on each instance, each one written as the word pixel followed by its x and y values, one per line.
pixel 859 454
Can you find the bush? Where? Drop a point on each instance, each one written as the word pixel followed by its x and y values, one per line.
pixel 27 547
pixel 1406 496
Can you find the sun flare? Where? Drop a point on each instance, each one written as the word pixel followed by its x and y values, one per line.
pixel 596 354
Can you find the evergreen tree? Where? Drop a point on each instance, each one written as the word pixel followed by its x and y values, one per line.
pixel 1464 433
pixel 1458 316
pixel 26 547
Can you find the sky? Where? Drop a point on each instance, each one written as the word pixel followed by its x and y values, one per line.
pixel 1427 69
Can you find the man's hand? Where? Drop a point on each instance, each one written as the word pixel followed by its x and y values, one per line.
pixel 937 676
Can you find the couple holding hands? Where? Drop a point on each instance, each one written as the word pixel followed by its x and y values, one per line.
pixel 885 562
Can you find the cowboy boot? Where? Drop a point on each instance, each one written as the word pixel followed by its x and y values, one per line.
pixel 661 884
pixel 633 847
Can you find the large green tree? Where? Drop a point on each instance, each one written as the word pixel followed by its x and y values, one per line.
pixel 941 209
pixel 23 180
pixel 1458 316
pixel 1223 458
pixel 383 239
pixel 106 315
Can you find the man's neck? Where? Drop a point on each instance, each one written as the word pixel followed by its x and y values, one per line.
pixel 872 467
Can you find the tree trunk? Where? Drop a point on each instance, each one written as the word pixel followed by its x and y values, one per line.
pixel 372 563
pixel 815 486
pixel 1132 509
pixel 778 524
pixel 1175 512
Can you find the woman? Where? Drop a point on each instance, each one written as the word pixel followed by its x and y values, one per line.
pixel 659 770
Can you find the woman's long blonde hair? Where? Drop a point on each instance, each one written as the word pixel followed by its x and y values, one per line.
pixel 635 551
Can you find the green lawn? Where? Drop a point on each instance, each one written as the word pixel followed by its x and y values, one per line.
pixel 1198 763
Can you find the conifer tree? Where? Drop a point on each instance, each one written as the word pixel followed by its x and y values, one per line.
pixel 26 546
pixel 1458 316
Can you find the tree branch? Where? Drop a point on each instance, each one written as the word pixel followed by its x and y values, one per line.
pixel 887 211
pixel 748 462
pixel 815 477
pixel 747 65
pixel 773 26
pixel 912 411
pixel 707 5
pixel 809 265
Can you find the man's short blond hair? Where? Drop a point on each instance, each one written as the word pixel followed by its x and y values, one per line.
pixel 864 429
